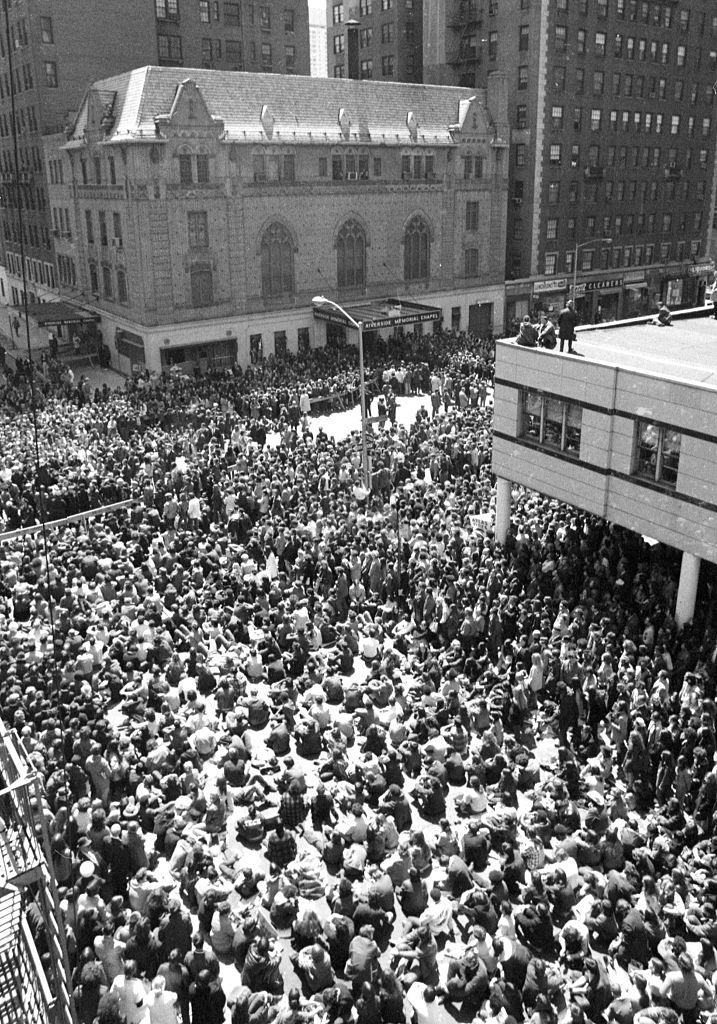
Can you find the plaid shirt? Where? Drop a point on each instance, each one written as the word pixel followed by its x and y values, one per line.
pixel 292 810
pixel 533 854
pixel 281 850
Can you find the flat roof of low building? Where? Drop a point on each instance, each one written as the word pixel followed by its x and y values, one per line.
pixel 686 351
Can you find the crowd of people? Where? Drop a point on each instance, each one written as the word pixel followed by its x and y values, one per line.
pixel 319 751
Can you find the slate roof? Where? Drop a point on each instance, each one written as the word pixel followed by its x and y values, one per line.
pixel 299 105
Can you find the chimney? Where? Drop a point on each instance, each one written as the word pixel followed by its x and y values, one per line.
pixel 352 49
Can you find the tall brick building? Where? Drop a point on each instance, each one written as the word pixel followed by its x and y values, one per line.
pixel 387 41
pixel 57 50
pixel 205 209
pixel 613 137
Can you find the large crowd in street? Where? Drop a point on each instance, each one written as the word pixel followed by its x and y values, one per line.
pixel 319 751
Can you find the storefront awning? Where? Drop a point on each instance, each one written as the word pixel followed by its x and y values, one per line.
pixel 374 316
pixel 53 314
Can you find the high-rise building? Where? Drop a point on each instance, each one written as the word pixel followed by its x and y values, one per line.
pixel 234 36
pixel 51 54
pixel 612 161
pixel 386 43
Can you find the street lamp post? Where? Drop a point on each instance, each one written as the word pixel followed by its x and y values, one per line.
pixel 578 247
pixel 321 300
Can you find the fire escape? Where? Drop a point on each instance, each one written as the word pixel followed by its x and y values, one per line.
pixel 30 993
pixel 465 24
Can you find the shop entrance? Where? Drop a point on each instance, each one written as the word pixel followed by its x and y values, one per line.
pixel 212 355
pixel 480 319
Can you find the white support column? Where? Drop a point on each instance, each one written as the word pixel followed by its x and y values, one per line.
pixel 502 508
pixel 687 589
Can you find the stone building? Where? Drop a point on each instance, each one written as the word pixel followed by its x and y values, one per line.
pixel 205 210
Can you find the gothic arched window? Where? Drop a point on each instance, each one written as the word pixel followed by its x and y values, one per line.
pixel 416 250
pixel 277 262
pixel 351 256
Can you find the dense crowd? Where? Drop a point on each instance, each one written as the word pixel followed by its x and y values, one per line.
pixel 315 751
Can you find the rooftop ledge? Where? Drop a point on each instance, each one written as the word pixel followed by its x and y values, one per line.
pixel 685 352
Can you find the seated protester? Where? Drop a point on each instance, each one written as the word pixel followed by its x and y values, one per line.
pixel 664 317
pixel 546 332
pixel 632 944
pixel 602 925
pixel 467 981
pixel 686 991
pixel 527 333
pixel 535 928
pixel 315 969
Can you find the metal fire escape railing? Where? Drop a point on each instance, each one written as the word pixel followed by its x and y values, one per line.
pixel 465 22
pixel 29 994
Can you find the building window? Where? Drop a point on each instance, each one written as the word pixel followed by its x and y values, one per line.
pixel 521 116
pixel 233 54
pixel 492 46
pixel 277 262
pixel 523 76
pixel 520 154
pixel 202 168
pixel 46 33
pixel 107 282
pixel 416 250
pixel 551 231
pixel 365 8
pixel 204 11
pixel 387 30
pixel 51 74
pixel 121 285
pixel 551 422
pixel 387 66
pixel 198 229
pixel 94 279
pixel 472 262
pixel 288 20
pixel 365 37
pixel 595 119
pixel 556 119
pixel 232 15
pixel 550 263
pixel 169 49
pixel 338 14
pixel 556 151
pixel 202 286
pixel 561 38
pixel 554 192
pixel 366 69
pixel 103 228
pixel 339 43
pixel 89 229
pixel 290 59
pixel 185 169
pixel 657 453
pixel 351 256
pixel 600 44
pixel 524 37
pixel 266 56
pixel 472 212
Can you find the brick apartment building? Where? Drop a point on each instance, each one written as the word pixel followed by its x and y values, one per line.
pixel 613 137
pixel 57 50
pixel 389 34
pixel 205 209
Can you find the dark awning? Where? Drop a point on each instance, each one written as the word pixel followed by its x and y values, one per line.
pixel 374 316
pixel 55 313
